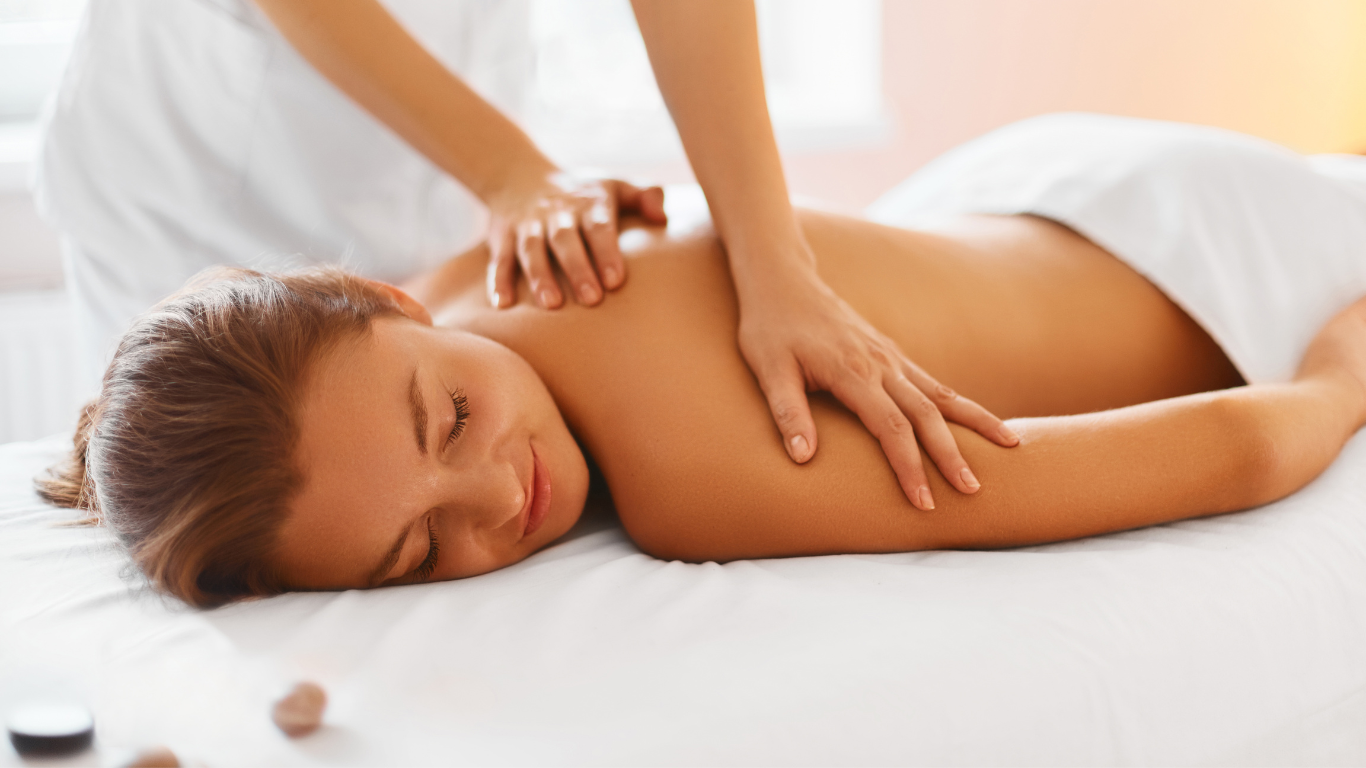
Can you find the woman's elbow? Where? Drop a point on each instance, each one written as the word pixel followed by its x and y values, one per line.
pixel 661 529
pixel 1252 457
pixel 715 529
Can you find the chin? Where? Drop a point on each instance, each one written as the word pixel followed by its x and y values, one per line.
pixel 570 493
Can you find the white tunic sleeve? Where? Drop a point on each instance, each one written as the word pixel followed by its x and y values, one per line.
pixel 190 133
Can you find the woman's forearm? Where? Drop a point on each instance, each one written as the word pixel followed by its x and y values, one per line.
pixel 366 53
pixel 1168 460
pixel 705 56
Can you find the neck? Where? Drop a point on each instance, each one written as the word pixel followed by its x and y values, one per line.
pixel 454 288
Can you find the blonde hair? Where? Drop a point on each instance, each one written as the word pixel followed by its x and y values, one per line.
pixel 187 454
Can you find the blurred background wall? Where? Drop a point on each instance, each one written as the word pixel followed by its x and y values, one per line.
pixel 863 92
pixel 1293 71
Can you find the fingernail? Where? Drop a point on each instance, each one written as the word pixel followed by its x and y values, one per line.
pixel 547 298
pixel 800 448
pixel 497 299
pixel 610 276
pixel 1009 435
pixel 589 292
pixel 969 480
pixel 926 500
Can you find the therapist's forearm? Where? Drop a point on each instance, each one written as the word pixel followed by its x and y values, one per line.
pixel 366 53
pixel 705 55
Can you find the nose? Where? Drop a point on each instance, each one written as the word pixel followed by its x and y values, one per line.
pixel 490 494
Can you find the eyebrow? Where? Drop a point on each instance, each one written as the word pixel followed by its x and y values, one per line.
pixel 419 408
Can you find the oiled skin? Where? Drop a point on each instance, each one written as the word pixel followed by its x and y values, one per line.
pixel 1020 314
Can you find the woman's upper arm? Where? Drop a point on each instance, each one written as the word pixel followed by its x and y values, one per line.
pixel 739 496
pixel 674 418
pixel 1071 476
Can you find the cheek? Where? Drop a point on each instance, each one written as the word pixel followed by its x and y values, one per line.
pixel 475 560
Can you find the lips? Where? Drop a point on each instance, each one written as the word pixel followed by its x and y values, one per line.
pixel 540 495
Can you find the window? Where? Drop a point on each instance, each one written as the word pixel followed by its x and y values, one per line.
pixel 35 39
pixel 595 101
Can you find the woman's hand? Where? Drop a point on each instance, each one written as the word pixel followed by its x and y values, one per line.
pixel 799 337
pixel 575 221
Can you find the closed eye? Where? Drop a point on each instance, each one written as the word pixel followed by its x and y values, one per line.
pixel 428 566
pixel 462 414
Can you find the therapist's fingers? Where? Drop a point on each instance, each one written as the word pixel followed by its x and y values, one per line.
pixel 884 418
pixel 532 256
pixel 959 409
pixel 502 274
pixel 600 232
pixel 573 257
pixel 932 432
pixel 647 202
pixel 785 389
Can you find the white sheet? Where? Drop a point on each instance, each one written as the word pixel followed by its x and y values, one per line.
pixel 1233 640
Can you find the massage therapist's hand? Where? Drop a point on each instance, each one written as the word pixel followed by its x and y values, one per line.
pixel 799 337
pixel 571 220
pixel 795 333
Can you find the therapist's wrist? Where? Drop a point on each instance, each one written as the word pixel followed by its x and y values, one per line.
pixel 762 258
pixel 527 180
pixel 763 275
pixel 762 235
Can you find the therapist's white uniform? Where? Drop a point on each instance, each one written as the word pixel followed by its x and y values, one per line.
pixel 189 133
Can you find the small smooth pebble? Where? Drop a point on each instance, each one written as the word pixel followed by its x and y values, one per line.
pixel 301 711
pixel 153 757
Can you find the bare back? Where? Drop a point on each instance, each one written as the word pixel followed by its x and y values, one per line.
pixel 1020 314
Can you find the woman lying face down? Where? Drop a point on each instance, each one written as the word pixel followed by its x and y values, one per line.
pixel 258 433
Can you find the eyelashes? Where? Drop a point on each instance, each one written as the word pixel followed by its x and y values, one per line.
pixel 462 414
pixel 428 566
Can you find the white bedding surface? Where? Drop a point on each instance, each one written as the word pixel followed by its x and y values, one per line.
pixel 1232 640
